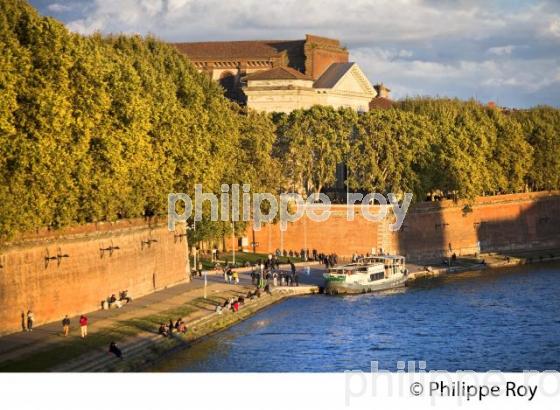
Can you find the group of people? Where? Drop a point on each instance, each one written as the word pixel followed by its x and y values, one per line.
pixel 267 273
pixel 356 256
pixel 178 327
pixel 304 254
pixel 329 260
pixel 232 304
pixel 30 319
pixel 123 298
pixel 231 276
pixel 84 322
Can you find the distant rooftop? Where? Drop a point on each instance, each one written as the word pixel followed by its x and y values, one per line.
pixel 235 50
pixel 332 75
pixel 278 73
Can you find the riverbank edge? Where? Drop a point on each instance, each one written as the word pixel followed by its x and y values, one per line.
pixel 141 357
pixel 505 262
pixel 144 354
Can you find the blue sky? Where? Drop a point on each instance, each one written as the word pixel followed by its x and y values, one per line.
pixel 504 51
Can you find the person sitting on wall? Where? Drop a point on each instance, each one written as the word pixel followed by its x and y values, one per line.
pixel 125 296
pixel 113 302
pixel 235 306
pixel 180 326
pixel 163 330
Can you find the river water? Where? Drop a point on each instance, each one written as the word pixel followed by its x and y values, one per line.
pixel 505 320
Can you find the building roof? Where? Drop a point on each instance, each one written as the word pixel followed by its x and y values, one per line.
pixel 238 50
pixel 332 75
pixel 278 73
pixel 380 103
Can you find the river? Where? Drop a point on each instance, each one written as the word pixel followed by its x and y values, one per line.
pixel 506 319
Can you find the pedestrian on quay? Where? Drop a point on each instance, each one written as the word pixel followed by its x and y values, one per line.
pixel 66 325
pixel 30 320
pixel 171 327
pixel 235 277
pixel 83 326
pixel 115 349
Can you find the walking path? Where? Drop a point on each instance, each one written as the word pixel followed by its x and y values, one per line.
pixel 37 350
pixel 136 324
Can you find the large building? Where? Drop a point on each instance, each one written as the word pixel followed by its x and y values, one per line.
pixel 282 76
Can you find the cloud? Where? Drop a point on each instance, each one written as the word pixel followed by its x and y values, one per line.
pixel 459 48
pixel 501 51
pixel 59 8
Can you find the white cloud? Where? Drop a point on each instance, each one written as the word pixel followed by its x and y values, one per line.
pixel 59 8
pixel 460 48
pixel 554 27
pixel 501 51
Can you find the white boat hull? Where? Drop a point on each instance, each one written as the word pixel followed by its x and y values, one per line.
pixel 338 288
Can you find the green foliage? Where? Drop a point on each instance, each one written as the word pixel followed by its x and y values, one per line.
pixel 390 152
pixel 430 147
pixel 311 143
pixel 541 127
pixel 99 128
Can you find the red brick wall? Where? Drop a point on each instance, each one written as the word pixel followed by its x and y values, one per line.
pixel 498 223
pixel 80 282
pixel 322 59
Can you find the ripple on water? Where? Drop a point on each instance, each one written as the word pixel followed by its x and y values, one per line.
pixel 504 320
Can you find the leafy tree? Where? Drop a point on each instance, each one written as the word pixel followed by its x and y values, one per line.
pixel 311 143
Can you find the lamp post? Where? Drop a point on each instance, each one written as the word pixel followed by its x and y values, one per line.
pixel 193 227
pixel 233 240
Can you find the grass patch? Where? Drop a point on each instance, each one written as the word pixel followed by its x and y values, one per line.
pixel 242 258
pixel 71 348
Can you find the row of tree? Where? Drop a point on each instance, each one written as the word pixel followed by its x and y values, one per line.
pixel 99 128
pixel 430 147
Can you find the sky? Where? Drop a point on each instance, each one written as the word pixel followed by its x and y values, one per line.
pixel 506 51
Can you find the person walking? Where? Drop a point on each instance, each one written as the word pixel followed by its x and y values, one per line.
pixel 235 276
pixel 83 326
pixel 30 319
pixel 66 325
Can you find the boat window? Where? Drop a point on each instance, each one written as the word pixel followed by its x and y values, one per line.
pixel 376 276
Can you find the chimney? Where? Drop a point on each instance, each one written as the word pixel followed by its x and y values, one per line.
pixel 382 91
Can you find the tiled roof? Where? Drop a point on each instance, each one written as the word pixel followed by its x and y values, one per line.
pixel 230 50
pixel 278 73
pixel 332 75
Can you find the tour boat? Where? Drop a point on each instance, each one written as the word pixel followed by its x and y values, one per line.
pixel 370 274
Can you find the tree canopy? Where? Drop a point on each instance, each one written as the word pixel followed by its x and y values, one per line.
pixel 97 128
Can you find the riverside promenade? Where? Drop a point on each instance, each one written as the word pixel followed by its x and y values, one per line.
pixel 135 327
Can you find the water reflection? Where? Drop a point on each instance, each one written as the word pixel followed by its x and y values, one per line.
pixel 505 319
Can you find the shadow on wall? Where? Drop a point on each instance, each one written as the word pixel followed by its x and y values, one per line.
pixel 509 223
pixel 424 233
pixel 537 227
